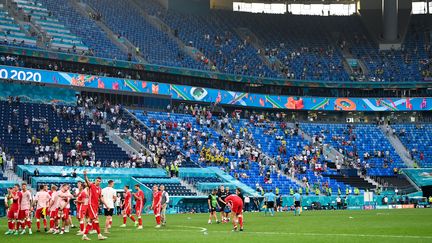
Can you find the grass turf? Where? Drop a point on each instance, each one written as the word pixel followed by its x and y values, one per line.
pixel 405 225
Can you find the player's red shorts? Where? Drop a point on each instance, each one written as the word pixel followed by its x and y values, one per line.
pixel 83 212
pixel 53 214
pixel 157 210
pixel 66 212
pixel 39 213
pixel 13 213
pixel 138 210
pixel 92 211
pixel 127 210
pixel 237 208
pixel 23 214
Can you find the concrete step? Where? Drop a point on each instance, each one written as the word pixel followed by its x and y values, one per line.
pixel 399 147
pixel 124 45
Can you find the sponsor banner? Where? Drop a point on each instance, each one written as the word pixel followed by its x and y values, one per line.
pixel 354 207
pixel 189 93
pixel 408 206
pixel 381 207
pixel 216 76
pixel 368 207
pixel 398 206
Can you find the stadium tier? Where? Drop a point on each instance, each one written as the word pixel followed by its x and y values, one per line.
pixel 417 138
pixel 262 45
pixel 92 35
pixel 56 135
pixel 140 109
pixel 364 143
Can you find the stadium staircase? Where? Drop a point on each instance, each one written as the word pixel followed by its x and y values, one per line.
pixel 19 28
pixel 246 34
pixel 12 177
pixel 192 188
pixel 329 151
pixel 289 178
pixel 115 138
pixel 193 52
pixel 364 181
pixel 133 117
pixel 398 146
pixel 353 180
pixel 123 43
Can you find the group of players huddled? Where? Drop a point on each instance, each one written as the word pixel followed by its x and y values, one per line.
pixel 55 204
pixel 221 200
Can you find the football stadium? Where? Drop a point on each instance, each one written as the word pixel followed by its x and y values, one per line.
pixel 216 120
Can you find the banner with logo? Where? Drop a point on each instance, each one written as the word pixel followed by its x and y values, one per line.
pixel 189 93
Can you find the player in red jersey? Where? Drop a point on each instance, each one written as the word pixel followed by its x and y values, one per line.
pixel 127 207
pixel 41 202
pixel 25 208
pixel 139 204
pixel 95 195
pixel 13 211
pixel 236 205
pixel 157 205
pixel 82 205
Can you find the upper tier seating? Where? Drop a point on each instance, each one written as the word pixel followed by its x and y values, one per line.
pixel 61 37
pixel 92 35
pixel 266 45
pixel 156 46
pixel 12 33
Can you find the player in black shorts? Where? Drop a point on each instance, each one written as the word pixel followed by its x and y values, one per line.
pixel 279 203
pixel 213 205
pixel 221 199
pixel 297 203
pixel 108 211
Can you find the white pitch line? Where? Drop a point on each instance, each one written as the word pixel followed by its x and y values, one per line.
pixel 308 234
pixel 202 229
pixel 343 235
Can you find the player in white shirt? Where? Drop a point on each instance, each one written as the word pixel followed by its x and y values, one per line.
pixel 53 208
pixel 164 201
pixel 64 207
pixel 42 202
pixel 109 195
pixel 25 208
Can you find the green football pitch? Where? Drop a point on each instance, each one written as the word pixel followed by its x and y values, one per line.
pixel 404 225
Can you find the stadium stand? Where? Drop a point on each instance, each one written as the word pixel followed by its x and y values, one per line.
pixel 61 37
pixel 12 33
pixel 92 35
pixel 364 143
pixel 155 45
pixel 56 135
pixel 418 140
pixel 264 45
pixel 193 149
pixel 214 35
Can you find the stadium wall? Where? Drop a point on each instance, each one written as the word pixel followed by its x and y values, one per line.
pixel 189 6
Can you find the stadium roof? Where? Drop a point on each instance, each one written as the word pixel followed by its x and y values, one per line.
pixel 298 1
pixel 306 1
